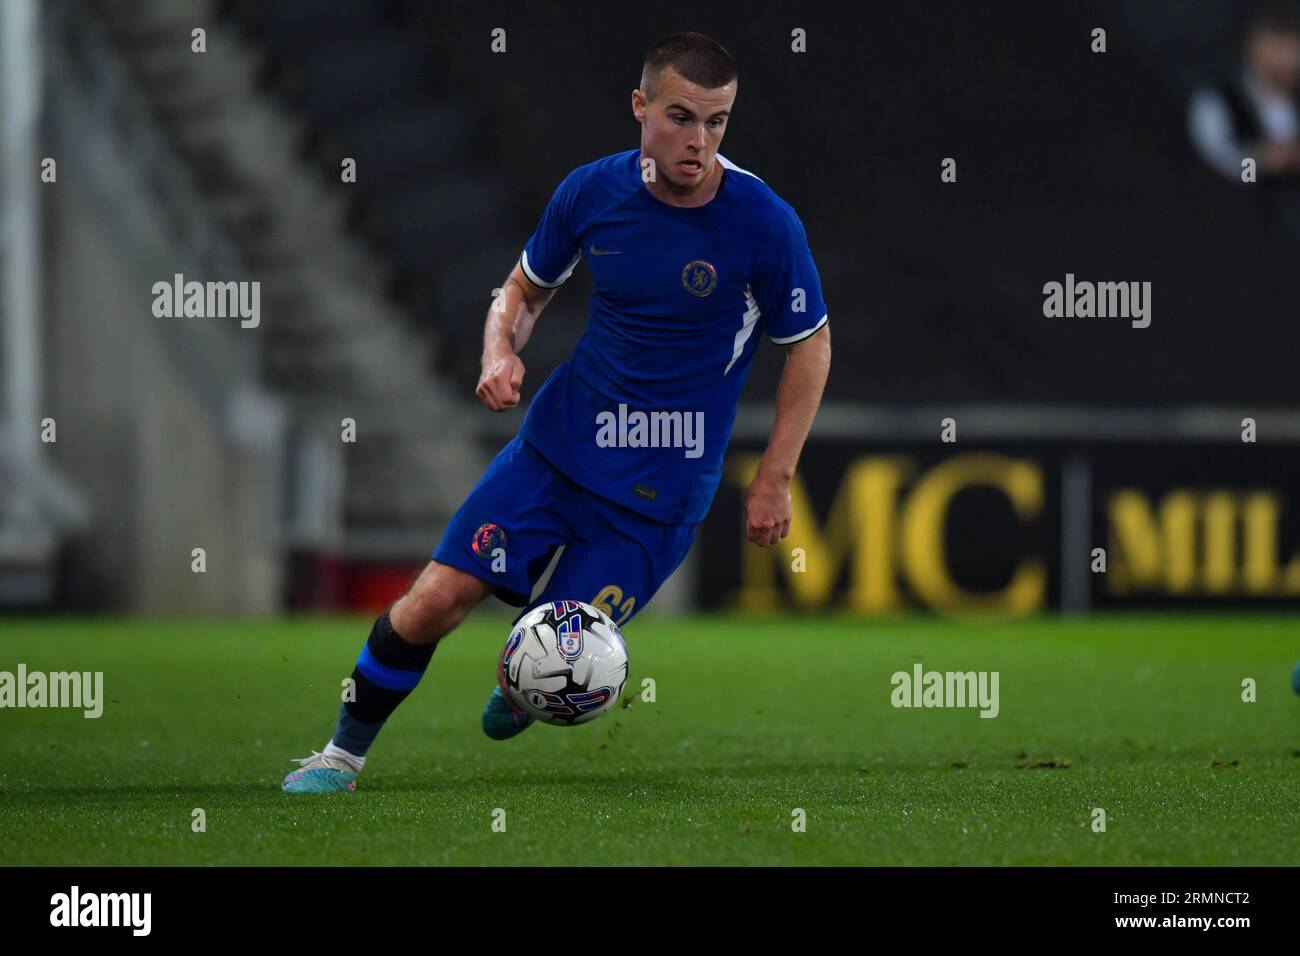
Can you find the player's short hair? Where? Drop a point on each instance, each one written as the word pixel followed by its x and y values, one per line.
pixel 697 58
pixel 1272 17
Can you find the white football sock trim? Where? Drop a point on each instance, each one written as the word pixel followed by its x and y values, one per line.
pixel 355 762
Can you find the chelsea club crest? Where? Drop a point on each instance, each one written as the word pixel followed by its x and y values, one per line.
pixel 699 278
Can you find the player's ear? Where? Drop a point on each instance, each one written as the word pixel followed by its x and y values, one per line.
pixel 638 105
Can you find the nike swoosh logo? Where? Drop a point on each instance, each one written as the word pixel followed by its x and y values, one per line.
pixel 604 252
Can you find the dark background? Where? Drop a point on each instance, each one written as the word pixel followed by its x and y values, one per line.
pixel 225 165
pixel 1068 161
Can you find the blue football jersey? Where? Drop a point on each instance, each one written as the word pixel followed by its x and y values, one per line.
pixel 642 412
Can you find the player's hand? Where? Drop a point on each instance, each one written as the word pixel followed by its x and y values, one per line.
pixel 498 386
pixel 767 510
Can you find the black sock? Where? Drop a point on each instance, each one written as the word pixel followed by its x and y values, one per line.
pixel 386 672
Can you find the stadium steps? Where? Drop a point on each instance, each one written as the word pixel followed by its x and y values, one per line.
pixel 436 191
pixel 329 333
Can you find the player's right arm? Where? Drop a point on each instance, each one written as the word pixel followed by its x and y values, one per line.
pixel 510 322
pixel 547 261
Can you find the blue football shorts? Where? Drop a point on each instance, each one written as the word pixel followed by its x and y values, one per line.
pixel 523 510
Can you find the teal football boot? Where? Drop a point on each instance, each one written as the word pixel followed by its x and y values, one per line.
pixel 501 721
pixel 320 774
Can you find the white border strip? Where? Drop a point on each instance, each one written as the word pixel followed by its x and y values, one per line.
pixel 728 164
pixel 807 333
pixel 537 281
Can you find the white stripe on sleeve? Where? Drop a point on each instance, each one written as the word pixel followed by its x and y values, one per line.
pixel 791 339
pixel 537 280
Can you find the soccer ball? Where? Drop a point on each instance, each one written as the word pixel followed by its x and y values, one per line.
pixel 565 663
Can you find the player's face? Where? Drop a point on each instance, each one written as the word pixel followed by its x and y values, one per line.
pixel 681 130
pixel 1276 57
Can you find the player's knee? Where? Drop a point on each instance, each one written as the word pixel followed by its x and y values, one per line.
pixel 438 601
pixel 427 614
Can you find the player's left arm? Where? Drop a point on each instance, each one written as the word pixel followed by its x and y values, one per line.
pixel 798 396
pixel 788 290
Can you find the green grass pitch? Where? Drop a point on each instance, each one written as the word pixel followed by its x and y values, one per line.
pixel 752 719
